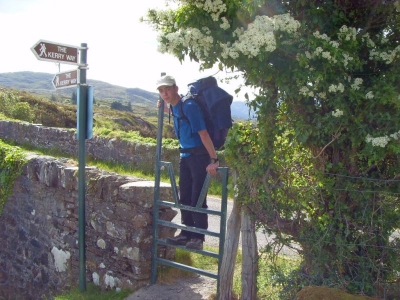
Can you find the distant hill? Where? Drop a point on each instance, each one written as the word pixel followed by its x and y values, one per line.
pixel 240 110
pixel 41 83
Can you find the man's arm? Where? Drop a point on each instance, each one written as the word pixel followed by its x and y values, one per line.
pixel 208 144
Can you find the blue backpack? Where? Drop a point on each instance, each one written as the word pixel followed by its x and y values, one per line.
pixel 215 104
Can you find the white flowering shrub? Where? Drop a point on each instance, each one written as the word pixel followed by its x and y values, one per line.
pixel 324 156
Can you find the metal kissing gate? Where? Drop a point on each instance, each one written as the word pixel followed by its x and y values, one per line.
pixel 158 222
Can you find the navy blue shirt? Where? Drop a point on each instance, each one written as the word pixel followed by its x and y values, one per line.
pixel 187 131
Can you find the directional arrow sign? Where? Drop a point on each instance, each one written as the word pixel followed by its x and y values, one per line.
pixel 50 51
pixel 66 79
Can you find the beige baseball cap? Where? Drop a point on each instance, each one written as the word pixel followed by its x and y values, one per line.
pixel 165 80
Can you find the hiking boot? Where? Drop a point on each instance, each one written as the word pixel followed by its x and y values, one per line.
pixel 196 244
pixel 178 240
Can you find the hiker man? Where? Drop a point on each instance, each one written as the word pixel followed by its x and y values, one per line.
pixel 197 158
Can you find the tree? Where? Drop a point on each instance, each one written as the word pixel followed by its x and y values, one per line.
pixel 321 168
pixel 117 105
pixel 74 100
pixel 120 106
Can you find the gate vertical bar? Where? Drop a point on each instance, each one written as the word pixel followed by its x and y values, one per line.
pixel 157 189
pixel 224 205
pixel 82 117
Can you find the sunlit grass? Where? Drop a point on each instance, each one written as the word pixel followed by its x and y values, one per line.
pixel 93 293
pixel 205 262
pixel 273 275
pixel 109 166
pixel 167 274
pixel 110 132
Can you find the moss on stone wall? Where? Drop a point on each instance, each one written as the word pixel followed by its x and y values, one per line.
pixel 12 160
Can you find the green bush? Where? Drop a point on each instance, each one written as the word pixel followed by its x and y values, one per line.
pixel 22 111
pixel 8 99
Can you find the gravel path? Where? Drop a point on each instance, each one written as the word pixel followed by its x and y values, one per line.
pixel 188 288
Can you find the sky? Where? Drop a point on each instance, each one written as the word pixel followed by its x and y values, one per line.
pixel 121 50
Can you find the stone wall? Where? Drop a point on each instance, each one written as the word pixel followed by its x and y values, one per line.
pixel 137 155
pixel 39 254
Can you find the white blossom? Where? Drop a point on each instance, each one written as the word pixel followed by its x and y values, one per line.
pixel 326 55
pixel 334 44
pixel 357 83
pixel 347 33
pixel 285 23
pixel 321 36
pixel 386 56
pixel 382 141
pixel 258 34
pixel 367 39
pixel 337 113
pixel 214 7
pixel 304 90
pixel 395 135
pixel 225 24
pixel 336 88
pixel 318 51
pixel 228 51
pixel 378 141
pixel 347 58
pixel 199 42
pixel 238 32
pixel 250 41
pixel 369 95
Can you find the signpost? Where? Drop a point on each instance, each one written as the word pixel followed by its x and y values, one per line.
pixel 66 79
pixel 66 54
pixel 49 51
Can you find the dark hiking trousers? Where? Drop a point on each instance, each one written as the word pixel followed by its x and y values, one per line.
pixel 192 173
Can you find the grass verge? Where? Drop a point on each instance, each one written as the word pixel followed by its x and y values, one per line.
pixel 93 293
pixel 120 168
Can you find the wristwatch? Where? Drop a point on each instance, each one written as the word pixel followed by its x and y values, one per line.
pixel 213 160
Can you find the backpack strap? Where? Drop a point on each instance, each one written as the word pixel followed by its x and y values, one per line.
pixel 183 116
pixel 184 99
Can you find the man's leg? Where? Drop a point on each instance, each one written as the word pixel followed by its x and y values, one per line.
pixel 185 191
pixel 198 165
